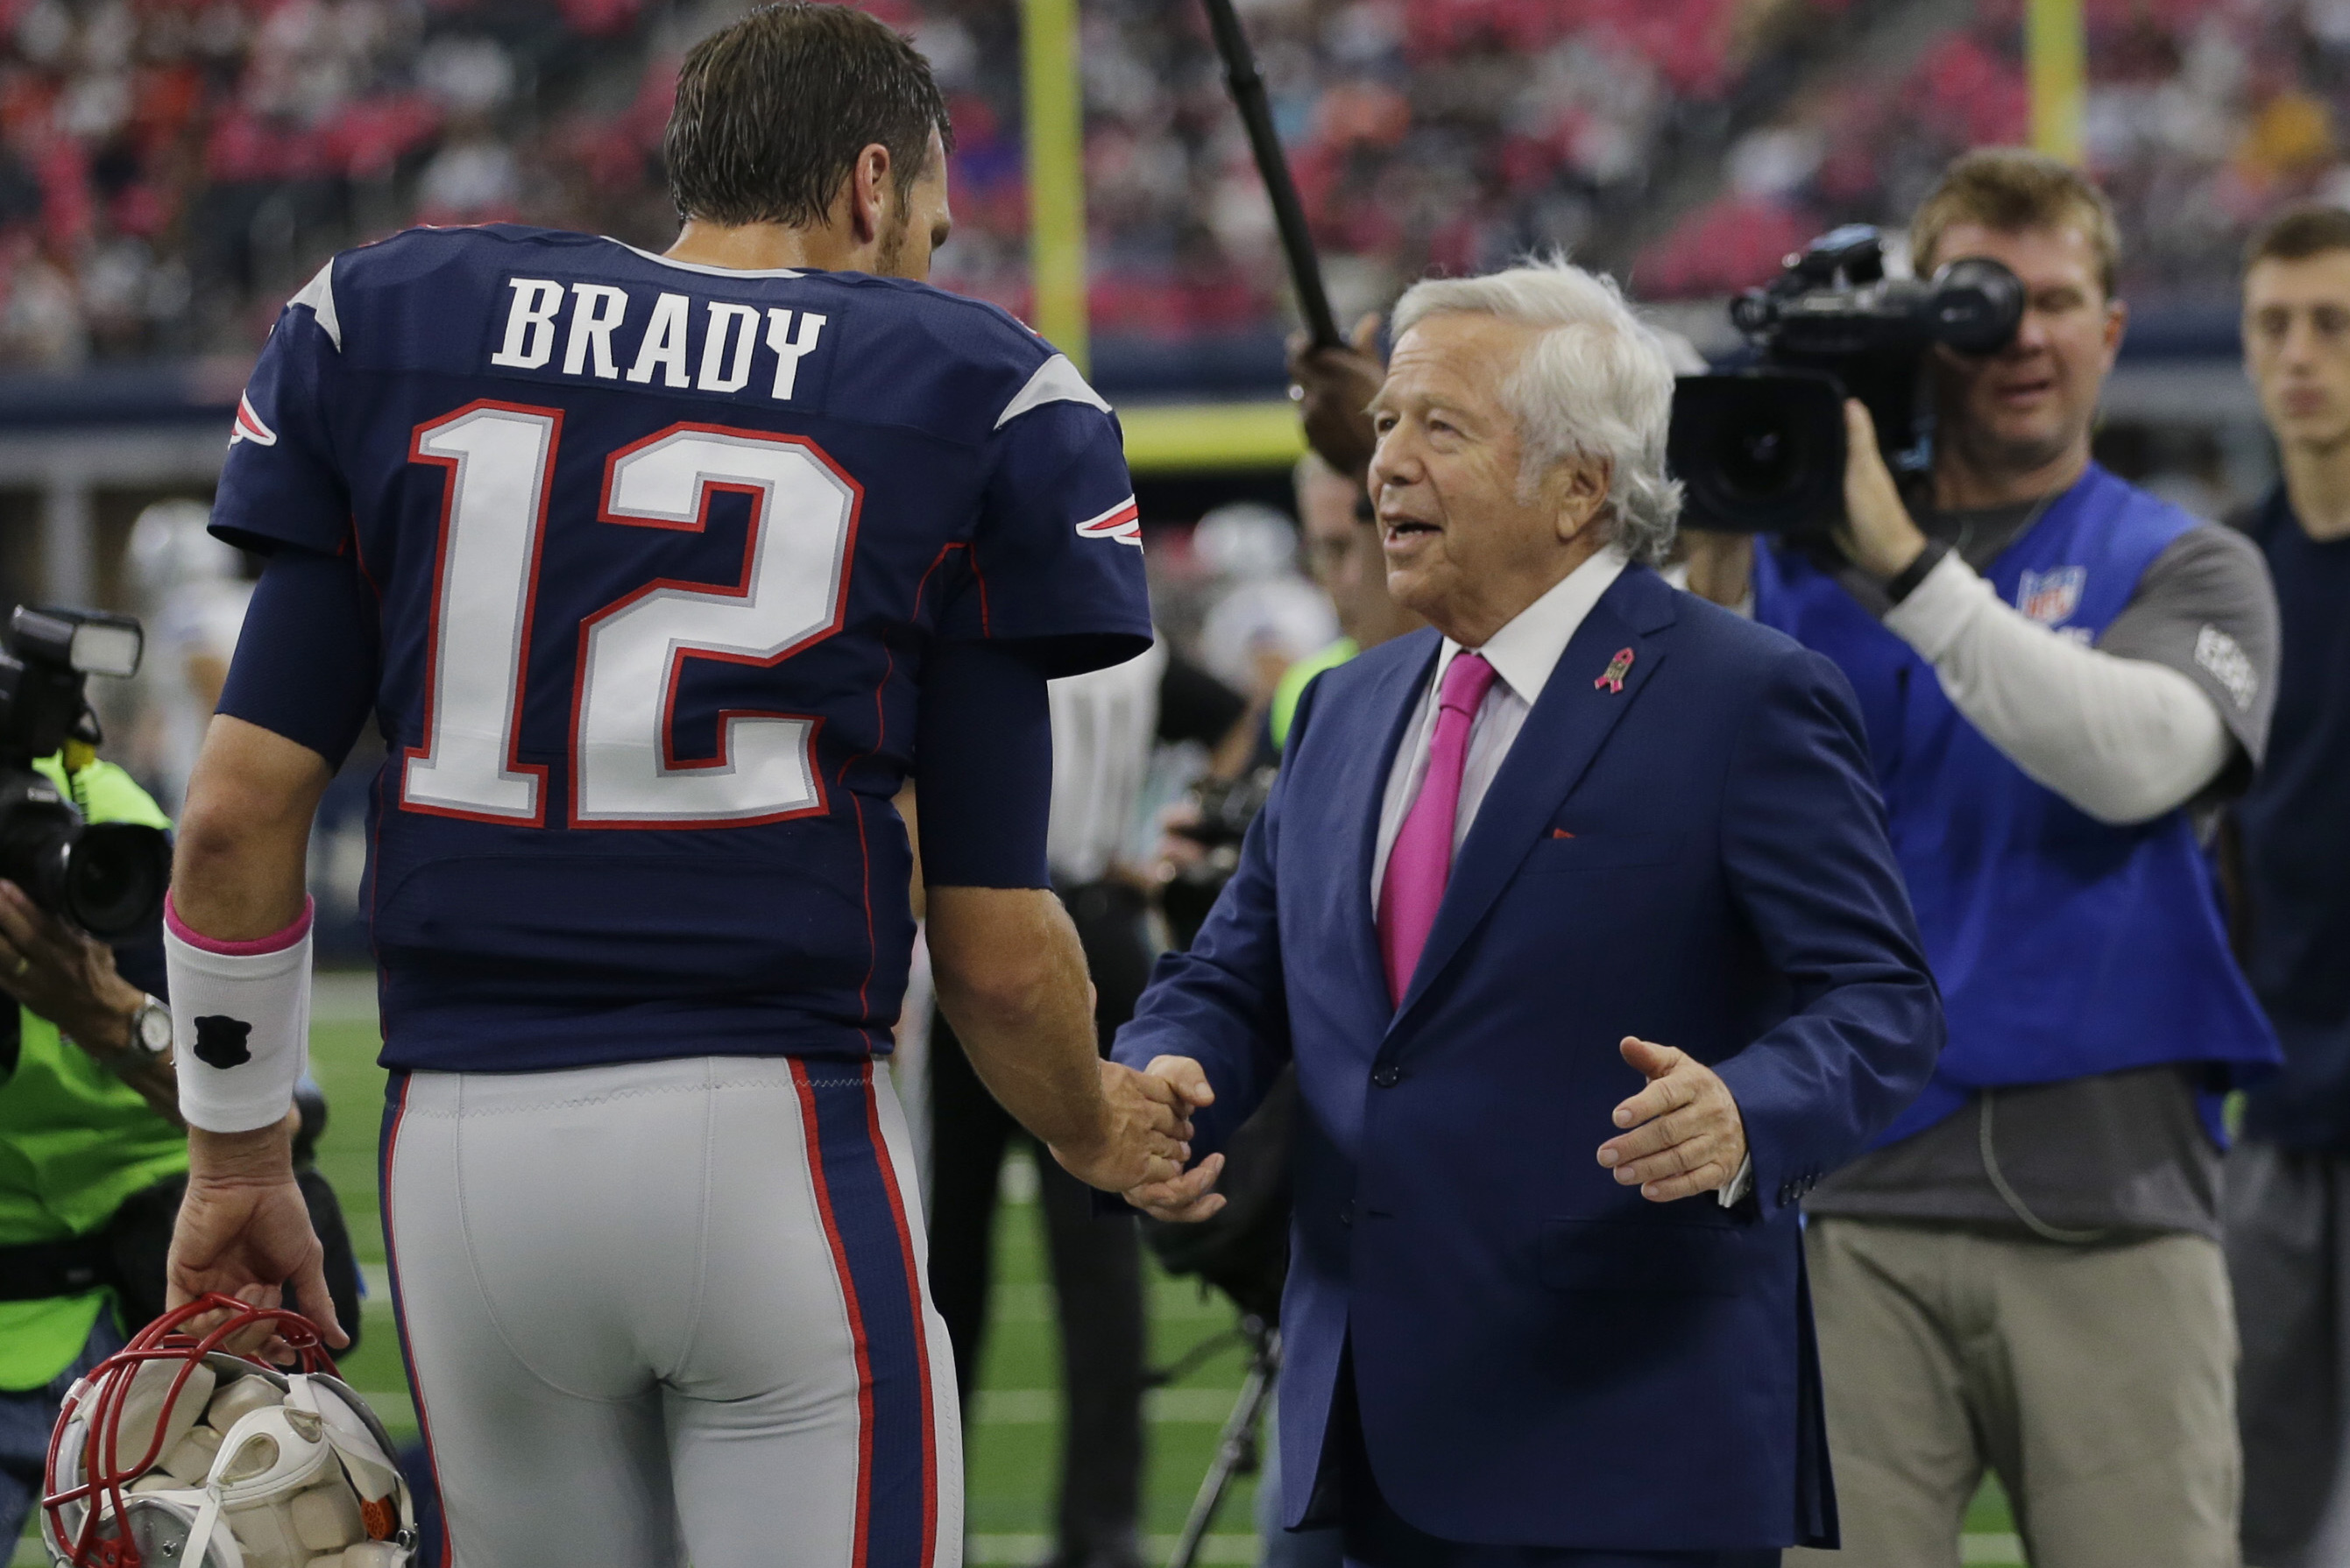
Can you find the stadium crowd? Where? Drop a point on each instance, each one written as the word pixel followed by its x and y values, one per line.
pixel 2203 117
pixel 170 169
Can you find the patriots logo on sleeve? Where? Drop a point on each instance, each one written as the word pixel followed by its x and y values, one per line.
pixel 248 426
pixel 1122 523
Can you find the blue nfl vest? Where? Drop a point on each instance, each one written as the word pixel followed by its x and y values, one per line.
pixel 2064 947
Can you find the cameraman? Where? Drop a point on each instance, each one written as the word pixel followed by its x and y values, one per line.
pixel 2054 666
pixel 92 1154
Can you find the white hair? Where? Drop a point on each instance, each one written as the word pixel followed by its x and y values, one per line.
pixel 1596 383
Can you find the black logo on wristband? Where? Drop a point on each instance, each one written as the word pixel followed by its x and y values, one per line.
pixel 221 1041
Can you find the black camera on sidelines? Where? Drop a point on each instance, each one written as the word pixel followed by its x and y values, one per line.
pixel 1760 449
pixel 1226 807
pixel 106 878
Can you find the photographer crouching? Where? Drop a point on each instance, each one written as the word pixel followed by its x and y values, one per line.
pixel 2024 1274
pixel 93 1152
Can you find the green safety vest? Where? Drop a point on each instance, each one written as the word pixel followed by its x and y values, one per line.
pixel 75 1140
pixel 1292 686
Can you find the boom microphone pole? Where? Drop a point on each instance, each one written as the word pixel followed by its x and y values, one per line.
pixel 1288 213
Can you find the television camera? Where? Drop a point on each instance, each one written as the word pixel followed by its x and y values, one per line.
pixel 1760 448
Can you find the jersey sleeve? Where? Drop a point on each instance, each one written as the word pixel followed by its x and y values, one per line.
pixel 1057 559
pixel 306 661
pixel 983 769
pixel 280 485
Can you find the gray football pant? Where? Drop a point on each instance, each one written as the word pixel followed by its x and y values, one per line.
pixel 2098 1381
pixel 672 1310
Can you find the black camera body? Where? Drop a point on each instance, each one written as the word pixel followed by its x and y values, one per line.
pixel 1760 449
pixel 106 878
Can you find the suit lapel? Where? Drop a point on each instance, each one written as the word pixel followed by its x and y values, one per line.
pixel 1570 721
pixel 1360 790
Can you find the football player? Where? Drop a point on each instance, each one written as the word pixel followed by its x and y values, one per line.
pixel 660 573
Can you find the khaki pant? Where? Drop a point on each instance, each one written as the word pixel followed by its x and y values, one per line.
pixel 2098 1381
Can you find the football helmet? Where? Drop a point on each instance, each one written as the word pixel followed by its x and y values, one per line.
pixel 178 1453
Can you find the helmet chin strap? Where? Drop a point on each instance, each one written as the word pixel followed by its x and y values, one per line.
pixel 200 1531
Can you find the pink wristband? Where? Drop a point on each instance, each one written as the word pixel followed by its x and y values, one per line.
pixel 276 942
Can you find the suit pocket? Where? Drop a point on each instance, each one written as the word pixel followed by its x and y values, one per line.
pixel 1619 1257
pixel 1562 857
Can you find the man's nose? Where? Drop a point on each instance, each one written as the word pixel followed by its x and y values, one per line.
pixel 2031 335
pixel 2300 342
pixel 1395 460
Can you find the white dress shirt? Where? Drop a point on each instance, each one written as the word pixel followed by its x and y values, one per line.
pixel 1523 654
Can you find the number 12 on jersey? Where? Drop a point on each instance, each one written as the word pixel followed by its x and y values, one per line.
pixel 500 459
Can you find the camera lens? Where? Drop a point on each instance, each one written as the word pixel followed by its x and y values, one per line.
pixel 1760 462
pixel 37 831
pixel 1761 451
pixel 115 874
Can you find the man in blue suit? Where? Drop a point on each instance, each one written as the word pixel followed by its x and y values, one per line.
pixel 1591 858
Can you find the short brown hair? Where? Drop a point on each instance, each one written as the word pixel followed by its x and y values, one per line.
pixel 2299 232
pixel 771 112
pixel 2012 188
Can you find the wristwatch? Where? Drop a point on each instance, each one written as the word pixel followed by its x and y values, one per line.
pixel 151 1030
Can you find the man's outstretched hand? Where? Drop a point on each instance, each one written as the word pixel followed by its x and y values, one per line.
pixel 1333 390
pixel 1180 1195
pixel 1687 1135
pixel 245 1232
pixel 1145 1135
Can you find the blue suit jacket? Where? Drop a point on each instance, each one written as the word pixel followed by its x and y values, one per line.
pixel 1542 1357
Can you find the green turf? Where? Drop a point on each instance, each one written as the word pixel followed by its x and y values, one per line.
pixel 1014 1440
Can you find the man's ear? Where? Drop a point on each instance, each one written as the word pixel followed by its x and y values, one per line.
pixel 1577 492
pixel 869 194
pixel 2116 324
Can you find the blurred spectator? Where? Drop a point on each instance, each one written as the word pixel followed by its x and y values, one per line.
pixel 1267 616
pixel 1348 562
pixel 2288 1188
pixel 192 596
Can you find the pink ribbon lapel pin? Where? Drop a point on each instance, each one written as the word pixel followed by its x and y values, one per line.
pixel 1612 678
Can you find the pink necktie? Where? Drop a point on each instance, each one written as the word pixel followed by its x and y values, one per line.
pixel 1421 860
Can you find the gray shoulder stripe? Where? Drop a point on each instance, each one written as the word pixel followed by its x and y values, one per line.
pixel 1055 381
pixel 318 294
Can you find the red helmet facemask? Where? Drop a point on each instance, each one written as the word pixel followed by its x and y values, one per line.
pixel 179 1452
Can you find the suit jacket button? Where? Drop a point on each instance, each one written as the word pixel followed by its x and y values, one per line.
pixel 1386 1075
pixel 1347 1215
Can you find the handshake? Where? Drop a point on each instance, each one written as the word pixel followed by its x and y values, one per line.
pixel 1142 1140
pixel 1682 1134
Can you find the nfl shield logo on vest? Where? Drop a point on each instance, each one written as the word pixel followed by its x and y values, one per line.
pixel 2050 597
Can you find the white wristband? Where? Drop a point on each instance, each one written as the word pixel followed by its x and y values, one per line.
pixel 240 1023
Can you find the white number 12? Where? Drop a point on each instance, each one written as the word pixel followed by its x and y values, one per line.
pixel 624 771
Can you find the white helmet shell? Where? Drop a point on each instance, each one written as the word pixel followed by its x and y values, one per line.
pixel 194 1457
pixel 171 547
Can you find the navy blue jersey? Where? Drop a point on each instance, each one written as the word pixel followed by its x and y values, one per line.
pixel 659 551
